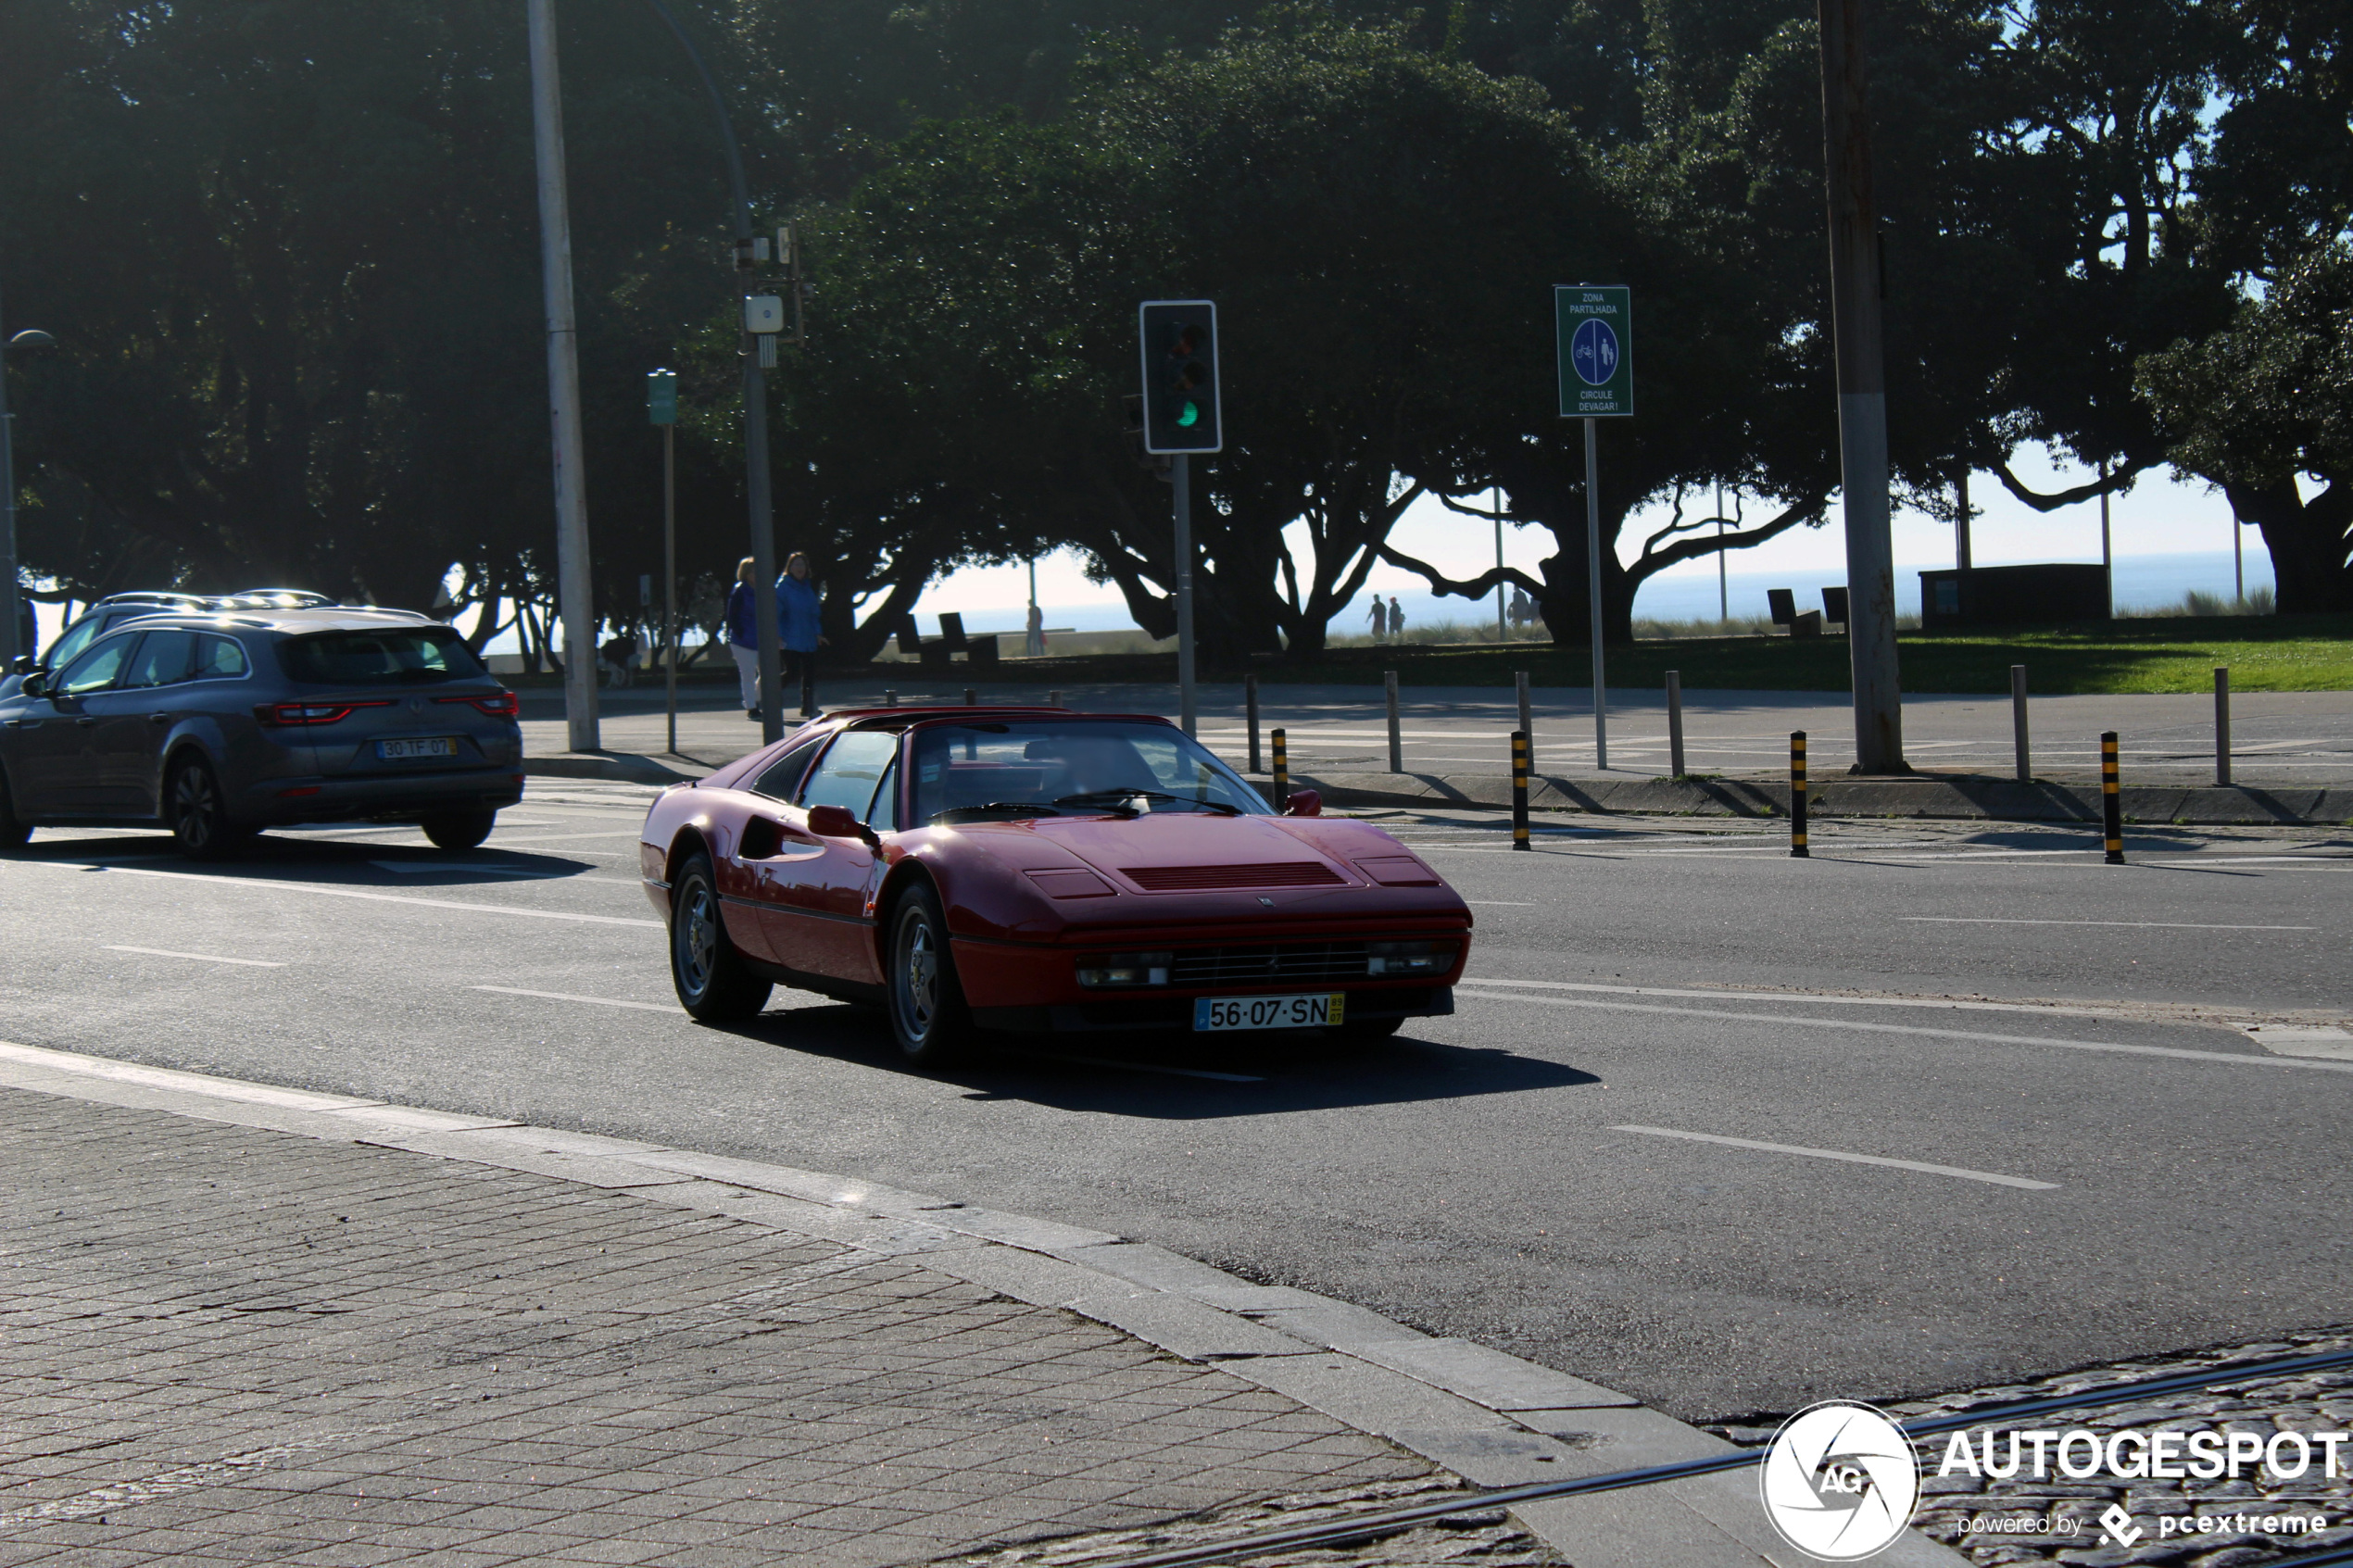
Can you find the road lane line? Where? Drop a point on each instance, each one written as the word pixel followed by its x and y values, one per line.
pixel 424 868
pixel 568 997
pixel 268 885
pixel 200 957
pixel 1851 1158
pixel 2048 1010
pixel 2234 1059
pixel 2224 857
pixel 1512 903
pixel 2137 924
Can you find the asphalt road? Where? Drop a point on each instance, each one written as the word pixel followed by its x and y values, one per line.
pixel 2131 1176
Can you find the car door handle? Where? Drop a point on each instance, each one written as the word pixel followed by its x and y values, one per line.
pixel 159 718
pixel 85 724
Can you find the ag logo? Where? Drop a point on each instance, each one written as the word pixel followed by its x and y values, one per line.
pixel 1840 1480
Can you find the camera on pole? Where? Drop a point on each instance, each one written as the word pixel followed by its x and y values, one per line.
pixel 1181 404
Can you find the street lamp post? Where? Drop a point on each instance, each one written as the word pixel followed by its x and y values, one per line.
pixel 11 601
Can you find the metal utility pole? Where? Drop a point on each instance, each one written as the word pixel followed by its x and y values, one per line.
pixel 1180 480
pixel 572 587
pixel 1723 579
pixel 1502 623
pixel 2107 556
pixel 10 652
pixel 1593 576
pixel 1856 277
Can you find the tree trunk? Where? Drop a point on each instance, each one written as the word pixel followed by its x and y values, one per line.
pixel 2307 541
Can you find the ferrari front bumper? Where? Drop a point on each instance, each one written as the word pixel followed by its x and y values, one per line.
pixel 1164 1013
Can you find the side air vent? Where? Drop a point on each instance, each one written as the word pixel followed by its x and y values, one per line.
pixel 1193 879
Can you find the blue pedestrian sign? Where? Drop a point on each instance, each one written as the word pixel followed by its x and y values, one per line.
pixel 1594 333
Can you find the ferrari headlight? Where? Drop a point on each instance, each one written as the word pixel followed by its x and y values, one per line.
pixel 1409 958
pixel 1116 969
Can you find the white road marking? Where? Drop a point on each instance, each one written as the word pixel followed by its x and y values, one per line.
pixel 1850 1159
pixel 419 868
pixel 200 957
pixel 568 997
pixel 1513 903
pixel 2137 924
pixel 268 886
pixel 2234 1059
pixel 2226 857
pixel 567 837
pixel 1712 996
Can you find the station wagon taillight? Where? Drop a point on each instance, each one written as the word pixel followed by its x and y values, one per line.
pixel 505 704
pixel 311 712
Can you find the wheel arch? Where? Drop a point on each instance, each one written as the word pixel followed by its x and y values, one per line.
pixel 688 842
pixel 909 872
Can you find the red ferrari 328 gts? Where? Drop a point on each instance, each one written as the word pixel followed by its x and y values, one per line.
pixel 1027 869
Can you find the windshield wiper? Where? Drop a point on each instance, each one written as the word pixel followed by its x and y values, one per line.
pixel 1025 808
pixel 1113 796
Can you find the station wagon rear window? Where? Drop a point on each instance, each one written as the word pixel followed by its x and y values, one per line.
pixel 380 656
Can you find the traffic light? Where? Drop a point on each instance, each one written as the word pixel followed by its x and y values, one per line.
pixel 1179 341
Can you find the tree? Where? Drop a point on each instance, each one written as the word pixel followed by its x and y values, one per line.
pixel 2267 402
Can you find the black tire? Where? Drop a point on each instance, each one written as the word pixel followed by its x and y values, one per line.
pixel 712 982
pixel 460 830
pixel 1369 1031
pixel 198 813
pixel 928 1017
pixel 14 830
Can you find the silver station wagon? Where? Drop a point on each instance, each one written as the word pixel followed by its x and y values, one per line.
pixel 219 726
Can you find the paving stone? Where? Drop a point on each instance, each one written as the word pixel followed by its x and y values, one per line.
pixel 307 1351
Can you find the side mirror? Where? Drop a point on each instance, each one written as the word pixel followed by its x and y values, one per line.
pixel 836 821
pixel 1304 803
pixel 35 684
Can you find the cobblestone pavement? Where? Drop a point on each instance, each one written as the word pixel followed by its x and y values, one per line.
pixel 1475 1540
pixel 1968 1512
pixel 225 1345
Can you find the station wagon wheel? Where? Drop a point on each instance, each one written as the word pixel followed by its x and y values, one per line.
pixel 460 830
pixel 14 830
pixel 198 813
pixel 928 1013
pixel 714 984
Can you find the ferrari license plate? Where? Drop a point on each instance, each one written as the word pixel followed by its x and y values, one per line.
pixel 1269 1012
pixel 440 746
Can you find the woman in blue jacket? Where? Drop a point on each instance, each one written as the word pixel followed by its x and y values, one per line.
pixel 743 635
pixel 799 614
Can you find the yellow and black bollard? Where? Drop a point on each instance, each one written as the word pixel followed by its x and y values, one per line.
pixel 1519 790
pixel 1797 795
pixel 1282 772
pixel 2111 800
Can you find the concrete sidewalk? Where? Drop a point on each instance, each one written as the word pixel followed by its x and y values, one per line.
pixel 248 1324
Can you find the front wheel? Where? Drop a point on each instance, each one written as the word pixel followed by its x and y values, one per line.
pixel 14 830
pixel 199 813
pixel 928 1013
pixel 460 830
pixel 714 984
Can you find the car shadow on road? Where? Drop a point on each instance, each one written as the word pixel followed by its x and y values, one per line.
pixel 374 866
pixel 1180 1078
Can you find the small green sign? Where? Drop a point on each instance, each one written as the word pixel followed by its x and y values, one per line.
pixel 1594 331
pixel 661 397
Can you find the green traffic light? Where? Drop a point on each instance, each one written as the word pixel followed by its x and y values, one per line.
pixel 1191 416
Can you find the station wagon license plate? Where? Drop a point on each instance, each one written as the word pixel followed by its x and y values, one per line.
pixel 1269 1012
pixel 398 750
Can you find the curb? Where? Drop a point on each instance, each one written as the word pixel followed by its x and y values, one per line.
pixel 1493 1419
pixel 1978 798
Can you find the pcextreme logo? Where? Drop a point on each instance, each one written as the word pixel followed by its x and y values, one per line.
pixel 1839 1481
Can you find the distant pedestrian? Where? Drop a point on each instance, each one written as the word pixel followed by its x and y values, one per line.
pixel 1380 619
pixel 743 635
pixel 617 659
pixel 1034 640
pixel 1396 620
pixel 799 612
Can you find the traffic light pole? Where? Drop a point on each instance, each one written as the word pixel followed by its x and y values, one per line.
pixel 1593 596
pixel 1180 481
pixel 1856 281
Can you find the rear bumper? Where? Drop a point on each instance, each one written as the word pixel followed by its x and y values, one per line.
pixel 402 797
pixel 1177 1013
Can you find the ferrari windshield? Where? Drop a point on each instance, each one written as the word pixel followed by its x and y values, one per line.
pixel 1070 767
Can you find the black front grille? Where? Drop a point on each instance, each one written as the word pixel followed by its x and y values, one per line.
pixel 1277 963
